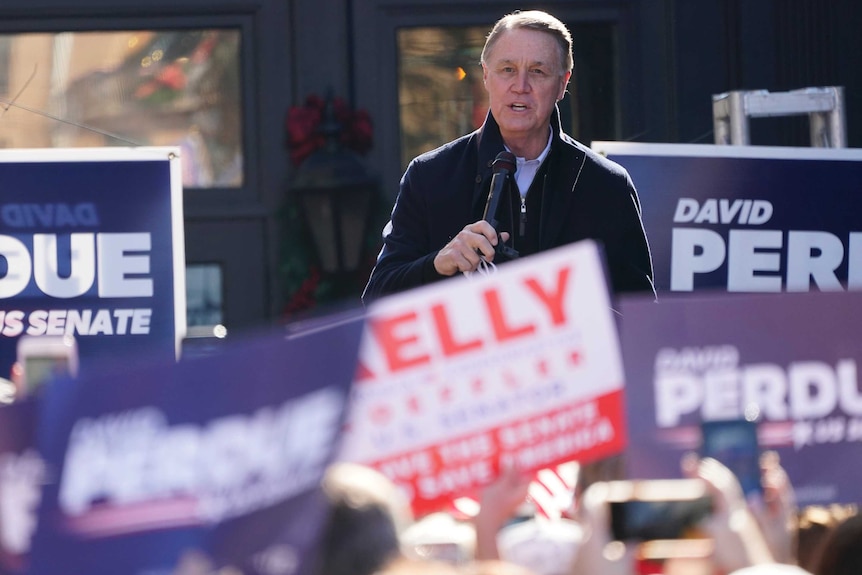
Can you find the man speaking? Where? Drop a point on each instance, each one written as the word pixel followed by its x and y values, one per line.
pixel 560 192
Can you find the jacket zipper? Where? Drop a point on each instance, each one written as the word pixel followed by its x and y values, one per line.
pixel 523 224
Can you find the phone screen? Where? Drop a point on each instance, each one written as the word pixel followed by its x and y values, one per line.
pixel 42 368
pixel 642 520
pixel 734 443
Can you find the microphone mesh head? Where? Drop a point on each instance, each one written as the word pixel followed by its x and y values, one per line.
pixel 504 161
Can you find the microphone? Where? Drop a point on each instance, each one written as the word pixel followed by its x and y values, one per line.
pixel 503 166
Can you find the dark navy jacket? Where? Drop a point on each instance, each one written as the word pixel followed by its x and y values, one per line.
pixel 583 196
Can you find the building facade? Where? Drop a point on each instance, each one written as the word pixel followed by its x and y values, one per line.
pixel 219 77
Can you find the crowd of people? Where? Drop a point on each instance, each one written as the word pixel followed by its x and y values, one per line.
pixel 372 531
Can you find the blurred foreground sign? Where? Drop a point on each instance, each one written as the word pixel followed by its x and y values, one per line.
pixel 208 465
pixel 464 377
pixel 791 359
pixel 22 473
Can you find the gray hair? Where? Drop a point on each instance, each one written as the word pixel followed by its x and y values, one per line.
pixel 534 20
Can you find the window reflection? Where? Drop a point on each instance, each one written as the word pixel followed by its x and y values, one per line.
pixel 121 88
pixel 5 44
pixel 204 301
pixel 441 94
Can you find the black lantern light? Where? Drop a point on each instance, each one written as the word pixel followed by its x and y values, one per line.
pixel 334 190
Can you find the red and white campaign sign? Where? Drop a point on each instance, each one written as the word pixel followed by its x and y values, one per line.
pixel 459 379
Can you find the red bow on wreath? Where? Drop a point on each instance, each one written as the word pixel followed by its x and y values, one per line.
pixel 303 127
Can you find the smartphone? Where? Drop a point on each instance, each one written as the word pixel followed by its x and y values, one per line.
pixel 734 443
pixel 45 357
pixel 658 509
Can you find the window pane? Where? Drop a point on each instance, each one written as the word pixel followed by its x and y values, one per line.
pixel 5 44
pixel 441 94
pixel 204 301
pixel 121 88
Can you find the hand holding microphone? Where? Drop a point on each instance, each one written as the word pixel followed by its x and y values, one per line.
pixel 466 250
pixel 480 239
pixel 503 167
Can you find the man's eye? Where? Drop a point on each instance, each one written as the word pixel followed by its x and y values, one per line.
pixel 538 71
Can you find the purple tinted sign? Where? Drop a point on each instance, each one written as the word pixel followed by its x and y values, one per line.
pixel 790 360
pixel 207 464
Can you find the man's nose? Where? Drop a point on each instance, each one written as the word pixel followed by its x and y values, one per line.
pixel 522 82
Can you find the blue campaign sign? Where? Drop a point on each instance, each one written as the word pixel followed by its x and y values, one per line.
pixel 92 245
pixel 748 218
pixel 210 464
pixel 788 361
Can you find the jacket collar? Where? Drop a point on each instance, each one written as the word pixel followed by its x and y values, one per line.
pixel 491 141
pixel 561 183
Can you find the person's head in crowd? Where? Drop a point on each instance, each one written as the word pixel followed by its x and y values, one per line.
pixel 367 516
pixel 815 524
pixel 841 553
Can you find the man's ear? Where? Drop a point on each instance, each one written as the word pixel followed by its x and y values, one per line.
pixel 566 77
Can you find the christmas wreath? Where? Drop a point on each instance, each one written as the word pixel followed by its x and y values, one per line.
pixel 304 127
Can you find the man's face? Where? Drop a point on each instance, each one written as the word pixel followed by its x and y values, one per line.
pixel 524 77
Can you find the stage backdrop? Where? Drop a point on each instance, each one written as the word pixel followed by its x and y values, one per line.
pixel 791 360
pixel 91 243
pixel 748 218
